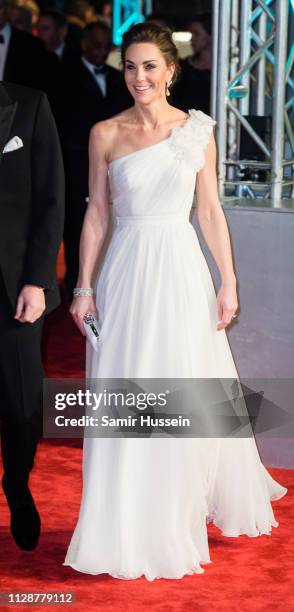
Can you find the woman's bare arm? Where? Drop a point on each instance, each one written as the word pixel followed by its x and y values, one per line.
pixel 214 227
pixel 211 216
pixel 96 221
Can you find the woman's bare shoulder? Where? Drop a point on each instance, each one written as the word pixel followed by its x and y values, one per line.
pixel 109 127
pixel 104 133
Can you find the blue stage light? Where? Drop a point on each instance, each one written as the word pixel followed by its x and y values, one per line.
pixel 126 13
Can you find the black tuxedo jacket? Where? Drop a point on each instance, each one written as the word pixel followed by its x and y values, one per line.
pixel 71 53
pixel 28 62
pixel 83 106
pixel 31 193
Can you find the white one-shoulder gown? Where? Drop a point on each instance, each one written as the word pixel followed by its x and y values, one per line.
pixel 146 502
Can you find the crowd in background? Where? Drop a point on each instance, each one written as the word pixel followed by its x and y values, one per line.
pixel 65 53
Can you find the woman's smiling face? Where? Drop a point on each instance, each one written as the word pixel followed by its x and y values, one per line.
pixel 146 72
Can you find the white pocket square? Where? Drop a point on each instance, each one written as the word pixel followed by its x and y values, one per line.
pixel 13 144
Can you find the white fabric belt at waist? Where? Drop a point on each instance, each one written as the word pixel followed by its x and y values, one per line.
pixel 167 219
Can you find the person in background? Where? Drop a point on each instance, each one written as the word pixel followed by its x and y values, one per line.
pixel 157 18
pixel 92 91
pixel 104 10
pixel 52 28
pixel 23 58
pixel 20 17
pixel 78 14
pixel 193 87
pixel 34 9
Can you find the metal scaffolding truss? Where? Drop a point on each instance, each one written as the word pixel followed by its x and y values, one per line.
pixel 253 75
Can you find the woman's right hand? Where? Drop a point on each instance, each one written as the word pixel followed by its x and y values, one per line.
pixel 81 306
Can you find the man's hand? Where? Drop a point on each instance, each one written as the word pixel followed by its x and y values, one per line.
pixel 30 304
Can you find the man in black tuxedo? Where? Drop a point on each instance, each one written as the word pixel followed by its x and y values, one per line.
pixel 31 224
pixel 93 91
pixel 24 59
pixel 53 31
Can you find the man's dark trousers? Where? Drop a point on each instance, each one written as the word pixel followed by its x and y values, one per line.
pixel 21 375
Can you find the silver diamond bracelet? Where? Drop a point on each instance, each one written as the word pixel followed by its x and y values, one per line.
pixel 81 292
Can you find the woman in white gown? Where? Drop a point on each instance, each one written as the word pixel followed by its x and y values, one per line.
pixel 146 502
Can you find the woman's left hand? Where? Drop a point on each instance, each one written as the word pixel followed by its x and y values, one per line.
pixel 227 304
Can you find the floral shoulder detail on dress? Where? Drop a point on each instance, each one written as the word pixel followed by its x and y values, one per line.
pixel 189 141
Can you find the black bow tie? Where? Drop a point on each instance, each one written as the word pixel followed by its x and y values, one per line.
pixel 2 40
pixel 100 70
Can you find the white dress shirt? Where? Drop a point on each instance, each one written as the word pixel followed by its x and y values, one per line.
pixel 59 50
pixel 6 33
pixel 99 78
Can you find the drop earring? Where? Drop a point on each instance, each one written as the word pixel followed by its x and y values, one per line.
pixel 167 91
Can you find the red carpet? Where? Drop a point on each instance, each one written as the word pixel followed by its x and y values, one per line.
pixel 247 574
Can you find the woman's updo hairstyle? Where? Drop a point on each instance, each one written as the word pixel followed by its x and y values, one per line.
pixel 161 36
